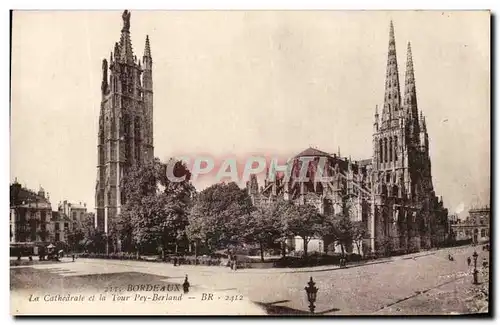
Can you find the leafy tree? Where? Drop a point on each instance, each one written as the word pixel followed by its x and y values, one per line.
pixel 328 230
pixel 93 240
pixel 156 208
pixel 263 227
pixel 344 230
pixel 302 220
pixel 359 233
pixel 218 215
pixel 75 236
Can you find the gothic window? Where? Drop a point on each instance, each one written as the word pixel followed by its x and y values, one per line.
pixel 122 197
pixel 380 151
pixel 385 149
pixel 384 189
pixel 395 190
pixel 395 148
pixel 390 149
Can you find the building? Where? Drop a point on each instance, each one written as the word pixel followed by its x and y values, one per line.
pixel 476 227
pixel 391 192
pixel 60 227
pixel 125 136
pixel 30 214
pixel 76 212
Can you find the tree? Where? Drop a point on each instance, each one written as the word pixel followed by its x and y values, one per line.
pixel 359 233
pixel 156 208
pixel 328 230
pixel 263 227
pixel 303 221
pixel 218 215
pixel 75 236
pixel 93 240
pixel 344 231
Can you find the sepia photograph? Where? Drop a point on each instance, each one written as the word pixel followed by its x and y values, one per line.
pixel 250 163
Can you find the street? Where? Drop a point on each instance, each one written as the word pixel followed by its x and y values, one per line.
pixel 421 283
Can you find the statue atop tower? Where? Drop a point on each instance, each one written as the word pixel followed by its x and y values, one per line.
pixel 126 20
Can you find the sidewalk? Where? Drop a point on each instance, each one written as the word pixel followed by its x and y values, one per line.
pixel 456 296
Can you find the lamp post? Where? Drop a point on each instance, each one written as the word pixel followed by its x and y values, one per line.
pixel 475 268
pixel 311 291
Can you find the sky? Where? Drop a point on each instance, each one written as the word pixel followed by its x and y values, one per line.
pixel 234 83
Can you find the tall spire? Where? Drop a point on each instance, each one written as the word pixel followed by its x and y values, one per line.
pixel 392 97
pixel 126 54
pixel 410 100
pixel 147 48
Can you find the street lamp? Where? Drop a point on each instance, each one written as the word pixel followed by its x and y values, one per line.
pixel 311 291
pixel 475 268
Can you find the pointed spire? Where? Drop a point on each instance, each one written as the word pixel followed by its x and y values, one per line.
pixel 410 98
pixel 147 48
pixel 253 185
pixel 127 54
pixel 392 97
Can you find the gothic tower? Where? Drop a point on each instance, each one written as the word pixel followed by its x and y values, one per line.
pixel 403 195
pixel 389 160
pixel 125 136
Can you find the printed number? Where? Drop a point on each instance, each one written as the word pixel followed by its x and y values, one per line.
pixel 112 289
pixel 234 298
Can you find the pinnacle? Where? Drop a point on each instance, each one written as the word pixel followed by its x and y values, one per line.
pixel 391 33
pixel 409 59
pixel 147 48
pixel 392 91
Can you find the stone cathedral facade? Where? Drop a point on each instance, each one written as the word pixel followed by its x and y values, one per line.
pixel 125 136
pixel 391 193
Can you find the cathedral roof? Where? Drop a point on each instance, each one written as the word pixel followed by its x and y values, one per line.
pixel 312 152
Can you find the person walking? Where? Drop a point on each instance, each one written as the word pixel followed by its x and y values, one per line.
pixel 468 261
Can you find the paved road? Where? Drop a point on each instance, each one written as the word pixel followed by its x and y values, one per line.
pixel 366 289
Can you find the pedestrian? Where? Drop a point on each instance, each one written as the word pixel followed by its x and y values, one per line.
pixel 468 261
pixel 73 257
pixel 235 263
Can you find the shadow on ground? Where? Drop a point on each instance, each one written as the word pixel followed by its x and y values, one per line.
pixel 271 308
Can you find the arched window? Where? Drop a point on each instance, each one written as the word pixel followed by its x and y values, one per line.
pixel 395 190
pixel 395 148
pixel 390 149
pixel 385 149
pixel 380 151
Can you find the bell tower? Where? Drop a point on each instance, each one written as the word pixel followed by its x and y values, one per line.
pixel 125 136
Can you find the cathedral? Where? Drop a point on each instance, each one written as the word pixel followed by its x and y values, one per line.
pixel 391 193
pixel 125 136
